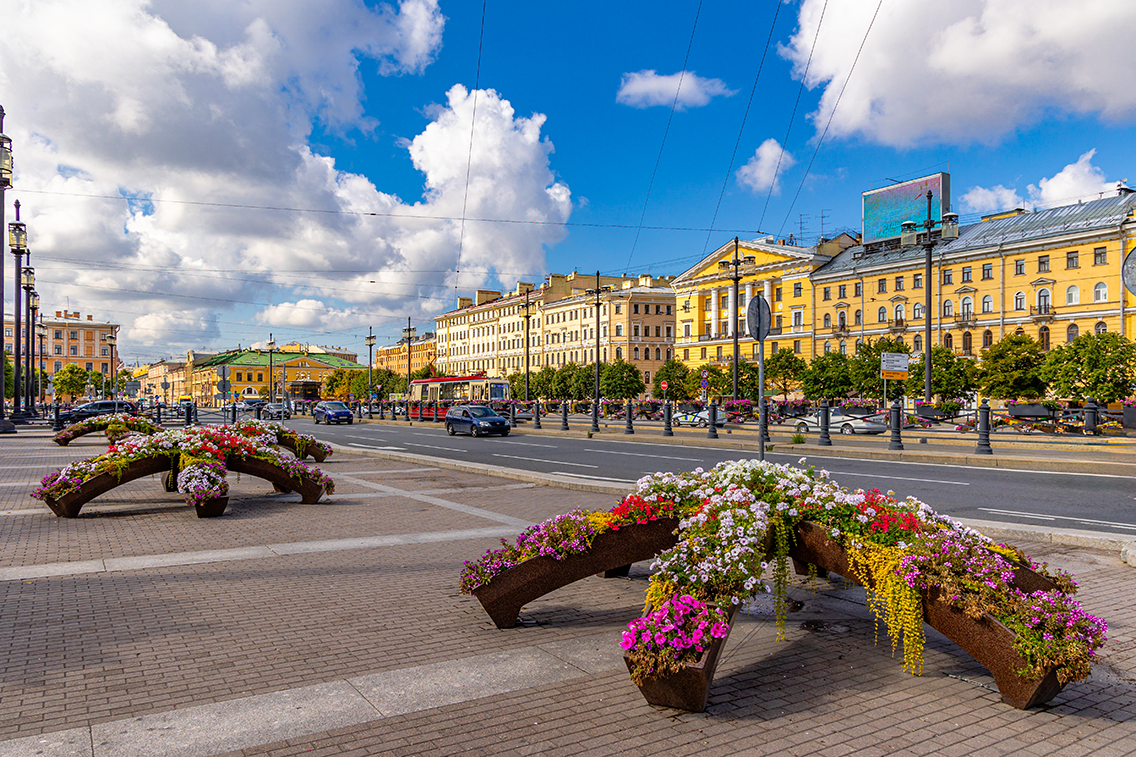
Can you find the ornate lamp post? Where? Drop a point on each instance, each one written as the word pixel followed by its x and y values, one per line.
pixel 725 265
pixel 18 241
pixel 408 335
pixel 370 342
pixel 597 293
pixel 5 182
pixel 526 305
pixel 32 299
pixel 271 377
pixel 113 340
pixel 41 332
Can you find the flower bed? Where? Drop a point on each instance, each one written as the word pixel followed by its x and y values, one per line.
pixel 203 455
pixel 740 522
pixel 117 426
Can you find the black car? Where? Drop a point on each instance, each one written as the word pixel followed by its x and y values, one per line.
pixel 99 407
pixel 476 420
pixel 275 411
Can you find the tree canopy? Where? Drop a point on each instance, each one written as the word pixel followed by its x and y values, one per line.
pixel 864 368
pixel 828 376
pixel 622 380
pixel 675 374
pixel 70 380
pixel 951 376
pixel 1101 366
pixel 1011 369
pixel 784 369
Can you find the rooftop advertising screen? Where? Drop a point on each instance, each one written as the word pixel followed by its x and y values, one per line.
pixel 885 209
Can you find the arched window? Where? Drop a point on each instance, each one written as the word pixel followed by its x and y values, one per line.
pixel 1100 292
pixel 900 310
pixel 917 311
pixel 918 342
pixel 827 348
pixel 858 343
pixel 1043 337
pixel 1100 328
pixel 844 348
pixel 827 320
pixel 658 353
pixel 948 309
pixel 987 339
pixel 1043 300
pixel 882 314
pixel 1072 332
pixel 987 304
pixel 842 319
pixel 1019 301
pixel 1073 296
pixel 967 343
pixel 618 352
pixel 967 307
pixel 859 317
pixel 636 353
pixel 948 340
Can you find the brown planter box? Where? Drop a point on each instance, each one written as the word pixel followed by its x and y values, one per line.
pixel 689 688
pixel 310 492
pixel 1030 411
pixel 69 505
pixel 311 450
pixel 1129 418
pixel 989 642
pixel 213 508
pixel 507 593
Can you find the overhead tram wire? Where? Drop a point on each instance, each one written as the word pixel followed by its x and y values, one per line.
pixel 820 142
pixel 793 116
pixel 741 129
pixel 659 159
pixel 469 157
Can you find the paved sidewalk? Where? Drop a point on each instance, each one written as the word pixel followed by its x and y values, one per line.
pixel 337 629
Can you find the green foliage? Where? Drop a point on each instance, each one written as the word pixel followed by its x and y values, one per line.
pixel 516 381
pixel 9 375
pixel 719 382
pixel 784 370
pixel 828 376
pixel 622 380
pixel 1101 366
pixel 70 380
pixel 540 383
pixel 387 381
pixel 864 368
pixel 675 374
pixel 584 382
pixel 1011 369
pixel 951 376
pixel 564 382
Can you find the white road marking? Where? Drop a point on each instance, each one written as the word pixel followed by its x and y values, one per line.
pixel 550 462
pixel 640 454
pixel 371 446
pixel 530 444
pixel 899 478
pixel 1128 526
pixel 434 446
pixel 593 478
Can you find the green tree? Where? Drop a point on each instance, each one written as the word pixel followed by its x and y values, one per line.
pixel 9 377
pixel 337 385
pixel 584 382
pixel 675 374
pixel 828 376
pixel 516 381
pixel 387 382
pixel 70 380
pixel 563 382
pixel 864 368
pixel 622 380
pixel 540 383
pixel 718 382
pixel 1011 369
pixel 784 369
pixel 951 376
pixel 1101 366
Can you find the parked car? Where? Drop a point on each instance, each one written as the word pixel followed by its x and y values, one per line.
pixel 276 411
pixel 332 411
pixel 700 419
pixel 99 407
pixel 838 421
pixel 476 420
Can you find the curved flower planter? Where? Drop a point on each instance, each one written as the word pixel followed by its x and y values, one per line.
pixel 310 450
pixel 504 596
pixel 310 492
pixel 689 688
pixel 73 432
pixel 989 642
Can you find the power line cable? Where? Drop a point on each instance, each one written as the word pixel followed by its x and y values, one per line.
pixel 469 157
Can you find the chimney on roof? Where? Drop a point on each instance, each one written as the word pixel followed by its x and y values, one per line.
pixel 58 314
pixel 90 318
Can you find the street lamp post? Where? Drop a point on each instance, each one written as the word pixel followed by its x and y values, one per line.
pixel 271 378
pixel 41 332
pixel 112 340
pixel 908 237
pixel 33 308
pixel 370 342
pixel 408 335
pixel 18 241
pixel 526 306
pixel 5 183
pixel 726 265
pixel 598 293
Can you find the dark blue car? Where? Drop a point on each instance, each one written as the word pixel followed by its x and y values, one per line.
pixel 331 412
pixel 477 420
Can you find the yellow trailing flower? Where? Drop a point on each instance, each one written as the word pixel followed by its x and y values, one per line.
pixel 890 599
pixel 600 521
pixel 658 591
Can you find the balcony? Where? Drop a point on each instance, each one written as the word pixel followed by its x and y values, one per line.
pixel 897 326
pixel 840 329
pixel 966 320
pixel 1042 312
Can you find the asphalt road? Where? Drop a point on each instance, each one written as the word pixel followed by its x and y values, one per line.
pixel 1064 500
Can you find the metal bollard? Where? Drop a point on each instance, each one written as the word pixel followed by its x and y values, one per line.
pixel 667 420
pixel 763 420
pixel 536 415
pixel 564 416
pixel 629 428
pixel 825 440
pixel 896 426
pixel 512 415
pixel 712 433
pixel 983 446
pixel 159 409
pixel 258 407
pixel 188 416
pixel 381 406
pixel 57 425
pixel 1092 413
pixel 370 411
pixel 234 413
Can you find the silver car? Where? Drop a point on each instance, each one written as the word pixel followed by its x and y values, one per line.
pixel 838 421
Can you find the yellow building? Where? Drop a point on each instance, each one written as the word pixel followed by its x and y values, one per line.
pixel 423 352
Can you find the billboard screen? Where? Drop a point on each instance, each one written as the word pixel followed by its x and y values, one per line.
pixel 885 209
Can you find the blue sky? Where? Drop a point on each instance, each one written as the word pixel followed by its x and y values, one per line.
pixel 308 117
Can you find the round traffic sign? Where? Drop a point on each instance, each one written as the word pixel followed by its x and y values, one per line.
pixel 705 373
pixel 663 384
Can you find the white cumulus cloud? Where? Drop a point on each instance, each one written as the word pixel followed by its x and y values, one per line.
pixel 967 70
pixel 766 167
pixel 642 89
pixel 1075 182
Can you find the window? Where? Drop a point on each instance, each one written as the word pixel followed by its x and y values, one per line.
pixel 987 271
pixel 797 289
pixel 900 313
pixel 777 294
pixel 1100 292
pixel 1019 301
pixel 105 352
pixel 859 317
pixel 686 354
pixel 686 331
pixel 827 320
pixel 967 307
pixel 967 343
pixel 659 331
pixel 1073 259
pixel 857 289
pixel 75 350
pixel 1042 263
pixel 618 352
pixel 1072 296
pixel 987 304
pixel 658 354
pixel 948 341
pixel 882 286
pixel 948 276
pixel 58 366
pixel 827 293
pixel 90 366
pixel 239 374
pixel 1019 268
pixel 780 320
pixel 718 354
pixel 59 333
pixel 618 328
pixel 635 308
pixel 1100 328
pixel 59 349
pixel 987 339
pixel 798 319
pixel 668 309
pixel 917 281
pixel 1043 337
pixel 74 334
pixel 948 309
pixel 618 309
pixel 842 291
pixel 647 377
pixel 260 377
pixel 773 348
pixel 881 314
pixel 966 275
pixel 635 330
pixel 1100 256
pixel 636 353
pixel 917 311
pixel 797 346
pixel 844 348
pixel 703 353
pixel 918 343
pixel 1043 300
pixel 1072 332
pixel 899 283
pixel 827 348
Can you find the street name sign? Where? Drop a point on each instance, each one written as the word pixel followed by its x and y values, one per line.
pixel 894 365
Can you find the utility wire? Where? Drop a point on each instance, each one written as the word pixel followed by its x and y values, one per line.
pixel 469 156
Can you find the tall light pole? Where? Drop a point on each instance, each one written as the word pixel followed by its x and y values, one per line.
pixel 526 305
pixel 112 340
pixel 29 367
pixel 18 241
pixel 271 378
pixel 5 182
pixel 370 342
pixel 598 293
pixel 41 332
pixel 726 265
pixel 408 334
pixel 949 223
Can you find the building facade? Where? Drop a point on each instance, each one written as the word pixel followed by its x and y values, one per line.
pixel 423 352
pixel 69 338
